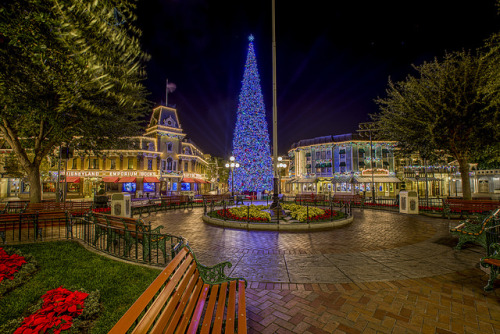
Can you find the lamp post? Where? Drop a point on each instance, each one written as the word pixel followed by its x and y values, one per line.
pixel 417 176
pixel 280 166
pixel 231 165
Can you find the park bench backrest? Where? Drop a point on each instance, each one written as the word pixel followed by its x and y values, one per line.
pixel 175 302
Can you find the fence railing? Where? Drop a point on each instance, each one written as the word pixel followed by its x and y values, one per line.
pixel 143 247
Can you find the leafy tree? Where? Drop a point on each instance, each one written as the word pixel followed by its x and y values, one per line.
pixel 451 105
pixel 70 72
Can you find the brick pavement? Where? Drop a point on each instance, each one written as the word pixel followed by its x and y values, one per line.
pixel 385 273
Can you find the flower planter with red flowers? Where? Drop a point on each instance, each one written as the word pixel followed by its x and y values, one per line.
pixel 9 264
pixel 59 309
pixel 56 311
pixel 15 269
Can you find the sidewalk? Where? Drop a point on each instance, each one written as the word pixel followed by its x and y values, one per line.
pixel 385 273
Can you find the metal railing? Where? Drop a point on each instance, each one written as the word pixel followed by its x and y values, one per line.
pixel 137 246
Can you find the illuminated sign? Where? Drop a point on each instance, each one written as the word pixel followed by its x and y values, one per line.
pixel 376 171
pixel 109 173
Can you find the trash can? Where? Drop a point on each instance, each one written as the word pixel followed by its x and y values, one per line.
pixel 408 202
pixel 120 205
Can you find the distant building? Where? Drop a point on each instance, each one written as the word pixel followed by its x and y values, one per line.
pixel 161 161
pixel 343 164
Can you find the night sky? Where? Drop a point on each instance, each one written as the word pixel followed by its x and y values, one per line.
pixel 333 58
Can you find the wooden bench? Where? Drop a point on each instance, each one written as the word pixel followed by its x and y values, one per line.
pixel 16 206
pixel 75 208
pixel 132 231
pixel 216 199
pixel 474 230
pixel 141 206
pixel 309 199
pixel 468 207
pixel 352 198
pixel 492 259
pixel 188 297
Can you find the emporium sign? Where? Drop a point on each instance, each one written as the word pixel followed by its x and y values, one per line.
pixel 109 173
pixel 376 171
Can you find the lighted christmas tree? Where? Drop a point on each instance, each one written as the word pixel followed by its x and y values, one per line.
pixel 251 138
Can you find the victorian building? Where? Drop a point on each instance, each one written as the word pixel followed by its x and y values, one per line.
pixel 343 164
pixel 160 162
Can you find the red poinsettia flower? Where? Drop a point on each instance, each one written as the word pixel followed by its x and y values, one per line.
pixel 9 264
pixel 60 307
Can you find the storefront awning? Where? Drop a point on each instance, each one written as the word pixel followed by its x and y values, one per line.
pixel 200 181
pixel 150 179
pixel 127 179
pixel 72 179
pixel 110 179
pixel 343 179
pixel 422 179
pixel 188 180
pixel 377 179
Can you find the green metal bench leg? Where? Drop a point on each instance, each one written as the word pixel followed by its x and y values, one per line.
pixel 494 272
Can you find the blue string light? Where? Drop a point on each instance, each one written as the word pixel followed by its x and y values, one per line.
pixel 251 137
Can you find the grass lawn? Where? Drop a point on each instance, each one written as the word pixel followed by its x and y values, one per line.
pixel 69 264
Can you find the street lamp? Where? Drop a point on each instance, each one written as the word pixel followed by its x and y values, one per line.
pixel 232 165
pixel 280 166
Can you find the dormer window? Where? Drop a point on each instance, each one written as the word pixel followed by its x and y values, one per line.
pixel 169 122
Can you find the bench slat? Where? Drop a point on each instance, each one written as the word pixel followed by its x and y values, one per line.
pixel 152 313
pixel 195 319
pixel 231 308
pixel 207 321
pixel 242 309
pixel 168 311
pixel 219 314
pixel 195 300
pixel 136 309
pixel 491 261
pixel 188 310
pixel 181 306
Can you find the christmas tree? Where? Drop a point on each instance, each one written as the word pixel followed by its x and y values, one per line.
pixel 251 138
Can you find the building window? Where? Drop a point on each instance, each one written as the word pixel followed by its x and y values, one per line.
pixel 93 163
pixel 74 163
pixel 186 165
pixel 170 147
pixel 130 163
pixel 112 164
pixel 150 164
pixel 174 166
pixel 163 165
pixel 329 154
pixel 169 163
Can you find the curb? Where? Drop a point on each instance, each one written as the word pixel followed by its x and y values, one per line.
pixel 298 227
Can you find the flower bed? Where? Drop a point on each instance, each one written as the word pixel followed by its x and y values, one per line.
pixel 9 264
pixel 102 210
pixel 253 214
pixel 58 310
pixel 14 269
pixel 313 214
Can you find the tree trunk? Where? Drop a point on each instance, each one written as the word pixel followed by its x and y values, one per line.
pixel 35 185
pixel 464 174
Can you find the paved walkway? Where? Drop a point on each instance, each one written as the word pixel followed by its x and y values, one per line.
pixel 385 273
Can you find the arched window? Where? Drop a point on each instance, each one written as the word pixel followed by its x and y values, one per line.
pixel 169 163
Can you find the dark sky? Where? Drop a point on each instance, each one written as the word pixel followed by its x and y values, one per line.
pixel 333 58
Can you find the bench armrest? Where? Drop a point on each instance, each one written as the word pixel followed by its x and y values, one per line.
pixel 215 274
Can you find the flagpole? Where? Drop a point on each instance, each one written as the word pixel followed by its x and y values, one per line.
pixel 166 94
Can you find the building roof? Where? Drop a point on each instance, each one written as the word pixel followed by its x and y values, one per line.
pixel 326 140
